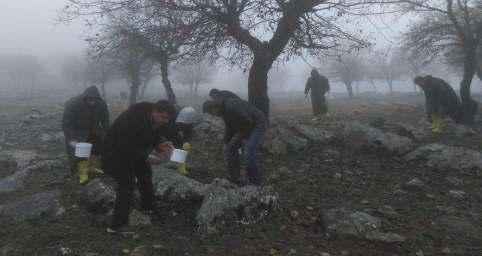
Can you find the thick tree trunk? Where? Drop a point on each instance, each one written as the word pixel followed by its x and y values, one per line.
pixel 102 90
pixel 258 83
pixel 469 106
pixel 135 84
pixel 349 89
pixel 165 80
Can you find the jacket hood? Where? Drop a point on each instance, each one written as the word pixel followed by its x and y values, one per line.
pixel 91 92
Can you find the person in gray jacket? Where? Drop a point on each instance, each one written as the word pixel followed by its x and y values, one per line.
pixel 85 119
pixel 319 86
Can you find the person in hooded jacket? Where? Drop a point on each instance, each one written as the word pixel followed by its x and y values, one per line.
pixel 85 119
pixel 181 131
pixel 244 125
pixel 440 101
pixel 220 95
pixel 135 141
pixel 319 86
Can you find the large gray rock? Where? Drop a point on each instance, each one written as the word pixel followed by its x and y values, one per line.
pixel 45 206
pixel 314 134
pixel 173 186
pixel 359 135
pixel 16 181
pixel 447 157
pixel 97 196
pixel 357 224
pixel 225 203
pixel 210 128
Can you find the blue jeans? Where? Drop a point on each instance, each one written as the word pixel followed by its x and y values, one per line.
pixel 232 155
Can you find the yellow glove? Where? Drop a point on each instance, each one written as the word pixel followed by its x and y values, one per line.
pixel 94 165
pixel 186 146
pixel 83 171
pixel 181 168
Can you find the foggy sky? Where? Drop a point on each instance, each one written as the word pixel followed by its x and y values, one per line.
pixel 27 27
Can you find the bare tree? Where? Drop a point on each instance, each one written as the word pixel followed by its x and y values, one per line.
pixel 23 70
pixel 255 32
pixel 347 69
pixel 388 65
pixel 443 27
pixel 194 75
pixel 101 71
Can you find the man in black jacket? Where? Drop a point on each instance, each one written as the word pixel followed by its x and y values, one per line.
pixel 440 100
pixel 128 153
pixel 85 119
pixel 319 86
pixel 220 95
pixel 244 124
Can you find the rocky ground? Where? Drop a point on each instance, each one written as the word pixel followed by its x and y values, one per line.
pixel 367 180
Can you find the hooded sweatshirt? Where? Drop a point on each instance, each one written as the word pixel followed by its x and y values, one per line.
pixel 80 119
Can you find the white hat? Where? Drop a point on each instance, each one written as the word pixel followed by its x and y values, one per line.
pixel 187 115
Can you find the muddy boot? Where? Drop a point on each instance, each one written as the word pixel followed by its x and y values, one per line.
pixel 83 171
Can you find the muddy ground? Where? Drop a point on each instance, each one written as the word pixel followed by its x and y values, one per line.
pixel 309 182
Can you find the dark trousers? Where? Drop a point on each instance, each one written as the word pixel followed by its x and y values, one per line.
pixel 318 102
pixel 127 174
pixel 232 156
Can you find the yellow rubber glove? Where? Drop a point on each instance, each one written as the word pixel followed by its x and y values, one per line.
pixel 186 146
pixel 438 124
pixel 83 171
pixel 94 165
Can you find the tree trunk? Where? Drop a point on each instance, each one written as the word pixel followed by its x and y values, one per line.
pixel 357 88
pixel 196 89
pixel 144 86
pixel 469 106
pixel 373 85
pixel 102 90
pixel 165 80
pixel 349 89
pixel 258 82
pixel 135 83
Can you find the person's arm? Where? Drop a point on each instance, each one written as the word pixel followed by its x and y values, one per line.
pixel 307 86
pixel 105 117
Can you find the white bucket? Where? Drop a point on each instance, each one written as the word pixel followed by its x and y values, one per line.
pixel 179 156
pixel 83 149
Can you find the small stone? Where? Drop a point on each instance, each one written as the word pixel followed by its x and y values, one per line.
pixel 431 196
pixel 309 208
pixel 136 237
pixel 337 176
pixel 126 251
pixel 419 253
pixel 458 194
pixel 282 228
pixel 446 250
pixel 273 252
pixel 387 210
pixel 274 176
pixel 158 246
pixel 399 192
pixel 344 253
pixel 65 251
pixel 139 251
pixel 284 169
pixel 415 182
pixel 294 214
pixel 454 181
pixel 324 254
pixel 364 202
pixel 292 252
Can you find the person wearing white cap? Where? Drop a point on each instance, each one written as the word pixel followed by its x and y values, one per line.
pixel 181 131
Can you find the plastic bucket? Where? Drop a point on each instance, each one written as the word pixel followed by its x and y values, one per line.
pixel 83 149
pixel 179 156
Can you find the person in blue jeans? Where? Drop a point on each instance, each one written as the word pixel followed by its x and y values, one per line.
pixel 244 125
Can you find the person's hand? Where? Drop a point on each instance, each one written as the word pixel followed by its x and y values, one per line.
pixel 167 146
pixel 186 146
pixel 154 159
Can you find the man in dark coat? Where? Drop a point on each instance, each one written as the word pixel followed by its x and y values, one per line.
pixel 440 100
pixel 220 95
pixel 128 155
pixel 319 86
pixel 85 119
pixel 244 124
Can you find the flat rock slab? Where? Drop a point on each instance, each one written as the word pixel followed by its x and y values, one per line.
pixel 173 186
pixel 45 206
pixel 226 203
pixel 447 157
pixel 357 224
pixel 362 136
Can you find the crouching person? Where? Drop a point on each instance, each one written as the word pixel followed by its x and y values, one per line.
pixel 244 125
pixel 128 155
pixel 85 119
pixel 440 100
